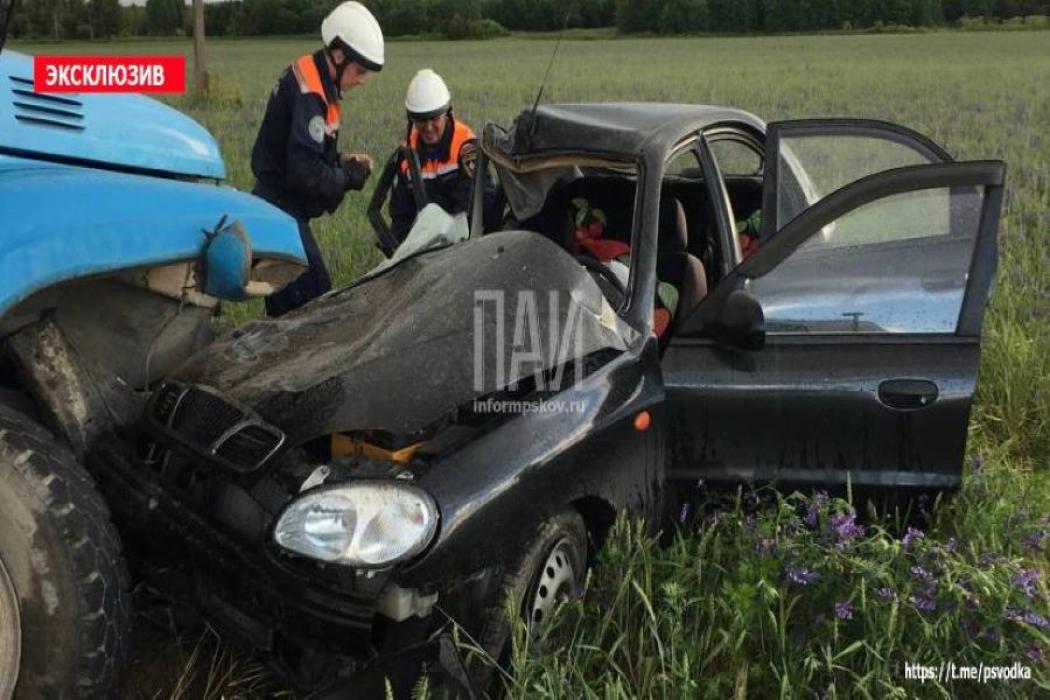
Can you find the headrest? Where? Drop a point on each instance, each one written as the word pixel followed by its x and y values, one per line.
pixel 673 234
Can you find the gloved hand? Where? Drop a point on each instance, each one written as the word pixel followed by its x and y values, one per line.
pixel 358 167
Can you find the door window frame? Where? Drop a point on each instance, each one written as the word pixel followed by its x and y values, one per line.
pixel 987 174
pixel 869 128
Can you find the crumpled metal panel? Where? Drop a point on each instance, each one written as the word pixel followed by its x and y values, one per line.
pixel 609 128
pixel 397 351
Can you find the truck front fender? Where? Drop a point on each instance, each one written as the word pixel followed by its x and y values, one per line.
pixel 63 223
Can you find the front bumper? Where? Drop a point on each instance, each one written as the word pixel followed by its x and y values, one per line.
pixel 242 587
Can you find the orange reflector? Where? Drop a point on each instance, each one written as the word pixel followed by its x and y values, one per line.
pixel 642 421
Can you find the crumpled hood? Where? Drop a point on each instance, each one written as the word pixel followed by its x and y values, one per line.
pixel 399 350
pixel 126 131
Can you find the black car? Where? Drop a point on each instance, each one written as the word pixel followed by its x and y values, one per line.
pixel 336 486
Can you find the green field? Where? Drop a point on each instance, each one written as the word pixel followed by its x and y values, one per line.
pixel 674 627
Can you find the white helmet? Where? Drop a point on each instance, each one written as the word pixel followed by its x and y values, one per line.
pixel 427 95
pixel 351 28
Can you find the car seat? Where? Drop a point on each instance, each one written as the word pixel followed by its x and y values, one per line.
pixel 674 263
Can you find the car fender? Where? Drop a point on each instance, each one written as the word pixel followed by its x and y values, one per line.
pixel 63 223
pixel 493 494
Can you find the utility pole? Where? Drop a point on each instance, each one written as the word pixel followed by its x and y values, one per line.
pixel 200 75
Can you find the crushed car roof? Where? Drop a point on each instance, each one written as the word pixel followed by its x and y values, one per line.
pixel 625 128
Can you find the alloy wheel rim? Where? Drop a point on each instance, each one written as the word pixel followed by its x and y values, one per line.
pixel 557 581
pixel 10 634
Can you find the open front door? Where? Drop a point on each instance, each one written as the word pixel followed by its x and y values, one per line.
pixel 873 296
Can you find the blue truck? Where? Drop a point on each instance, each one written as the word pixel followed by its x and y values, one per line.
pixel 108 204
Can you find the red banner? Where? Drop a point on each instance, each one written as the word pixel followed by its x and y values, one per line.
pixel 109 73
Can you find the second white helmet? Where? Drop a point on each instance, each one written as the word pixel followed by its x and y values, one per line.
pixel 427 95
pixel 351 28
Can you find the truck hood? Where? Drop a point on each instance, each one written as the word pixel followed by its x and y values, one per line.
pixel 399 350
pixel 128 132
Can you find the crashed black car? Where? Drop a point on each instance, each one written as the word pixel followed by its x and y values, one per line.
pixel 335 486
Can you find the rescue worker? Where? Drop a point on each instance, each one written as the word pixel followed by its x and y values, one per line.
pixel 296 160
pixel 446 149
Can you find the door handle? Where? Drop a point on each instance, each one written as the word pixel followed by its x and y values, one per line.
pixel 908 394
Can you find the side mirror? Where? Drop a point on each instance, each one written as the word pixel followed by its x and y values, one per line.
pixel 737 320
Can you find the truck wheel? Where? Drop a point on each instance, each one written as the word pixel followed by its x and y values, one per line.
pixel 63 584
pixel 551 568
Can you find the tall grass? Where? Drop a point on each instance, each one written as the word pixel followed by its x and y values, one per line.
pixel 797 598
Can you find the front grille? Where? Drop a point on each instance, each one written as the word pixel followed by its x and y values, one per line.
pixel 252 444
pixel 44 109
pixel 167 399
pixel 204 423
pixel 204 418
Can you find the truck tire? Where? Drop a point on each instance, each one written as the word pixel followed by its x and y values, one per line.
pixel 60 562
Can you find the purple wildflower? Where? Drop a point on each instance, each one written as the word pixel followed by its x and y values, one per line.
pixel 977 462
pixel 1025 581
pixel 1033 541
pixel 1035 653
pixel 951 544
pixel 811 516
pixel 1036 620
pixel 843 611
pixel 912 536
pixel 885 593
pixel 818 501
pixel 921 574
pixel 802 575
pixel 925 602
pixel 846 527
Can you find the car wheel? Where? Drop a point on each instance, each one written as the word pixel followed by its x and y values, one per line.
pixel 550 569
pixel 63 584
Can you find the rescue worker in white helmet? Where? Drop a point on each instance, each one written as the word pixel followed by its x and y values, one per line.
pixel 296 159
pixel 446 148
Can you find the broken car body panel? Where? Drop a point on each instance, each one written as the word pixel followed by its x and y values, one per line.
pixel 397 351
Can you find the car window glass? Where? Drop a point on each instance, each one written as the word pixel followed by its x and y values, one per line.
pixel 684 164
pixel 736 158
pixel 896 265
pixel 810 167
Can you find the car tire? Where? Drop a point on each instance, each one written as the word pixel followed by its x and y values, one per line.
pixel 551 567
pixel 63 583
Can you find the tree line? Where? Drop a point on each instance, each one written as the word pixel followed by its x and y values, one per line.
pixel 94 19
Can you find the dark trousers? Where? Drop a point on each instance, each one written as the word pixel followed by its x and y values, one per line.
pixel 309 285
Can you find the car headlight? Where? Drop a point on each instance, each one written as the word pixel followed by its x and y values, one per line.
pixel 364 524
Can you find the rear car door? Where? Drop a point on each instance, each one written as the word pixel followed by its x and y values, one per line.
pixel 877 258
